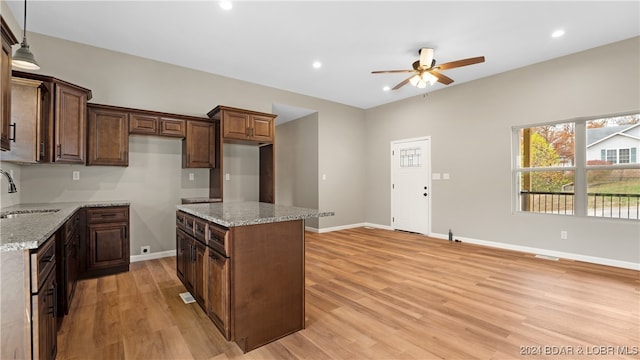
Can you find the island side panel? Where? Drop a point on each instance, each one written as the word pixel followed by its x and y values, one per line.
pixel 15 300
pixel 267 280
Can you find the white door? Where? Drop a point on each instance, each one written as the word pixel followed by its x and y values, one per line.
pixel 410 186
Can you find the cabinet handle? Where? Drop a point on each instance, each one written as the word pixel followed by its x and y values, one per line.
pixel 108 215
pixel 14 125
pixel 59 149
pixel 42 151
pixel 48 258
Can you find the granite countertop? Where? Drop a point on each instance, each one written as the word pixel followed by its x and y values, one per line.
pixel 33 229
pixel 230 214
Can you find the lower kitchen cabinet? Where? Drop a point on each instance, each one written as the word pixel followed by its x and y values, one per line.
pixel 43 301
pixel 68 264
pixel 107 241
pixel 218 292
pixel 191 265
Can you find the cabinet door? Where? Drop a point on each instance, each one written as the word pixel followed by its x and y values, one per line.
pixel 70 119
pixel 71 269
pixel 199 286
pixel 47 344
pixel 218 292
pixel 143 124
pixel 262 128
pixel 108 137
pixel 189 269
pixel 198 145
pixel 235 125
pixel 108 246
pixel 181 255
pixel 5 85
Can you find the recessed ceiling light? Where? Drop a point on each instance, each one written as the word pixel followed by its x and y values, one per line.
pixel 226 5
pixel 317 64
pixel 386 88
pixel 557 33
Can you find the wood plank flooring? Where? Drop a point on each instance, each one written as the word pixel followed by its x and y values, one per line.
pixel 377 294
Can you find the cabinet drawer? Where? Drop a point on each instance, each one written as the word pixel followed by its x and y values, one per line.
pixel 217 239
pixel 71 226
pixel 172 127
pixel 180 218
pixel 43 261
pixel 107 214
pixel 143 124
pixel 200 229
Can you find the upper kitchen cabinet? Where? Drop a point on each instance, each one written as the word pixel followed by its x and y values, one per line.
pixel 8 39
pixel 53 114
pixel 244 126
pixel 152 123
pixel 107 136
pixel 199 145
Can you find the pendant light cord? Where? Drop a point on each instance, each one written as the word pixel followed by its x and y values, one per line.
pixel 24 30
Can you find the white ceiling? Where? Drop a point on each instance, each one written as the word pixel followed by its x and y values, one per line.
pixel 275 43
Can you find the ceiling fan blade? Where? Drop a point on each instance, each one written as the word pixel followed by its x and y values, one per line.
pixel 460 63
pixel 441 77
pixel 391 71
pixel 403 83
pixel 426 57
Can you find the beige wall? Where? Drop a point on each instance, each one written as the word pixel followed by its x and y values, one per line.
pixel 297 166
pixel 470 127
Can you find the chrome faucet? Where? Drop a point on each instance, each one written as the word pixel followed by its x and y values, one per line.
pixel 12 185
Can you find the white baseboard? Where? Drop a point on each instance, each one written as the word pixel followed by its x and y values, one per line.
pixel 151 256
pixel 546 252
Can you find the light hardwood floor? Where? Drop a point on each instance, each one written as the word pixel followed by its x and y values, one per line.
pixel 377 294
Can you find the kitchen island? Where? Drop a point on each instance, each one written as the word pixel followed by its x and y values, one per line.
pixel 243 263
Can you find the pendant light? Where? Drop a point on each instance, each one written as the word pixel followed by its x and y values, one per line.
pixel 23 58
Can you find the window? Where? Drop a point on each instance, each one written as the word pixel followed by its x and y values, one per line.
pixel 584 167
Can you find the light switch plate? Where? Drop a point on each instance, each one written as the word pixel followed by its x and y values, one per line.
pixel 76 175
pixel 192 176
pixel 227 176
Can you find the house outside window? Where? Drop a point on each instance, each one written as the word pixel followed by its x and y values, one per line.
pixel 584 167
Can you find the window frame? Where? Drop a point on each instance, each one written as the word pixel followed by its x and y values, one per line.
pixel 580 167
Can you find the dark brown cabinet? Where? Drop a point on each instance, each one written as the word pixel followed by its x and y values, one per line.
pixel 107 248
pixel 198 146
pixel 218 295
pixel 68 264
pixel 50 118
pixel 107 136
pixel 152 124
pixel 250 128
pixel 43 301
pixel 28 121
pixel 8 39
pixel 244 125
pixel 191 255
pixel 70 118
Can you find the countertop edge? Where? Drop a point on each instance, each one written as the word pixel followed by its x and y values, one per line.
pixel 67 209
pixel 310 213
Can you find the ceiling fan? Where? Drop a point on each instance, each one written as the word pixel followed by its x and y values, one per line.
pixel 426 71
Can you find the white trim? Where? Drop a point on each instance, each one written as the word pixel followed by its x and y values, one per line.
pixel 546 252
pixel 151 256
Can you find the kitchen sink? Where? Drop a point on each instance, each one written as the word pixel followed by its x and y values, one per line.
pixel 26 213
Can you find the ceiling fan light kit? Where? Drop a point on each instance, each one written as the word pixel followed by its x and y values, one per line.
pixel 426 71
pixel 23 58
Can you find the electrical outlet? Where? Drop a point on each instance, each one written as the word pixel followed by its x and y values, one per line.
pixel 227 176
pixel 145 249
pixel 564 235
pixel 76 175
pixel 192 176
